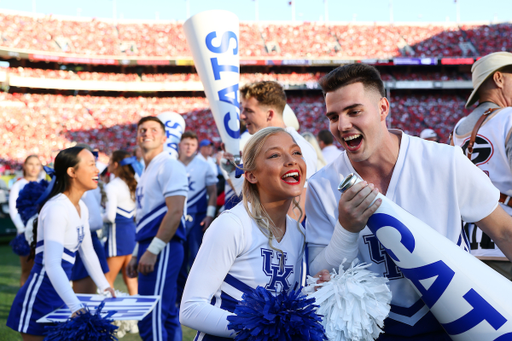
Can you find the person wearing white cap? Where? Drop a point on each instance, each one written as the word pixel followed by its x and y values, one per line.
pixel 485 136
pixel 429 134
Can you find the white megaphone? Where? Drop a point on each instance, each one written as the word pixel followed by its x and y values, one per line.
pixel 213 39
pixel 290 119
pixel 174 128
pixel 469 299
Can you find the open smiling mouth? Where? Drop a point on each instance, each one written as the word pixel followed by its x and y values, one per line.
pixel 353 142
pixel 291 177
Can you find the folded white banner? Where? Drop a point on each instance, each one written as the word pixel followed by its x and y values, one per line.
pixel 120 308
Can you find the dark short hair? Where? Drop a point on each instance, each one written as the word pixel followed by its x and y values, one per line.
pixel 350 74
pixel 189 135
pixel 268 93
pixel 326 137
pixel 151 118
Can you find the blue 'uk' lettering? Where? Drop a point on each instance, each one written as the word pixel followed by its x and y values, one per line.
pixel 278 275
pixel 139 194
pixel 190 183
pixel 81 234
pixel 379 255
pixel 217 69
pixel 224 44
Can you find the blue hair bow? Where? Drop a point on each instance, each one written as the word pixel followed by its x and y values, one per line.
pixel 239 171
pixel 134 163
pixel 47 191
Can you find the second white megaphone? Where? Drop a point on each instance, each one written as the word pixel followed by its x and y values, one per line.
pixel 469 299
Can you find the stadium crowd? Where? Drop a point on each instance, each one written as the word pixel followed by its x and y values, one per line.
pixel 106 37
pixel 283 78
pixel 287 78
pixel 44 124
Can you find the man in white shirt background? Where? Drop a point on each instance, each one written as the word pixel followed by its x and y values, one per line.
pixel 326 143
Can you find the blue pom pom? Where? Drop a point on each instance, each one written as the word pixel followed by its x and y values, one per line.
pixel 20 245
pixel 26 202
pixel 84 326
pixel 288 316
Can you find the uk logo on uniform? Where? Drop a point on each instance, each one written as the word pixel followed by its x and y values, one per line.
pixel 278 274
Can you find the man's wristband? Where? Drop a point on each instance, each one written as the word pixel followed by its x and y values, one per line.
pixel 210 211
pixel 135 252
pixel 156 246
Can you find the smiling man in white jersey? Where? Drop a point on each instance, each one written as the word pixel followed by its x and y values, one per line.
pixel 434 182
pixel 160 202
pixel 489 131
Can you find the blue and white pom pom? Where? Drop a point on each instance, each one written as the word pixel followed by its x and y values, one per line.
pixel 84 326
pixel 20 245
pixel 354 303
pixel 26 204
pixel 261 316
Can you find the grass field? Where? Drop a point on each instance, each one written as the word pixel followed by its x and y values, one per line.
pixel 9 285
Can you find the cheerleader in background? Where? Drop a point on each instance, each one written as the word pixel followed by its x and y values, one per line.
pixel 31 170
pixel 61 230
pixel 253 244
pixel 119 214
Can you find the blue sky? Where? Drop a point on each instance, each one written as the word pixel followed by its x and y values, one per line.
pixel 305 10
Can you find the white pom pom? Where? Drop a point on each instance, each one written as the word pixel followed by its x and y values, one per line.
pixel 354 303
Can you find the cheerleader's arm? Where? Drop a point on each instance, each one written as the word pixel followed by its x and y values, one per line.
pixel 222 243
pixel 54 231
pixel 13 211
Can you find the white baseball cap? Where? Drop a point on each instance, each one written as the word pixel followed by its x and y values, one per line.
pixel 428 133
pixel 485 67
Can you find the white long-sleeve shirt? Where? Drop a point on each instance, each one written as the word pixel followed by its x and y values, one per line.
pixel 60 233
pixel 13 211
pixel 234 257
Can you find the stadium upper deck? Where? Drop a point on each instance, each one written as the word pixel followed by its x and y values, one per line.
pixel 95 41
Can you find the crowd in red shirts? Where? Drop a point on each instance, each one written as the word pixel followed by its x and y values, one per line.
pixel 43 124
pixel 285 40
